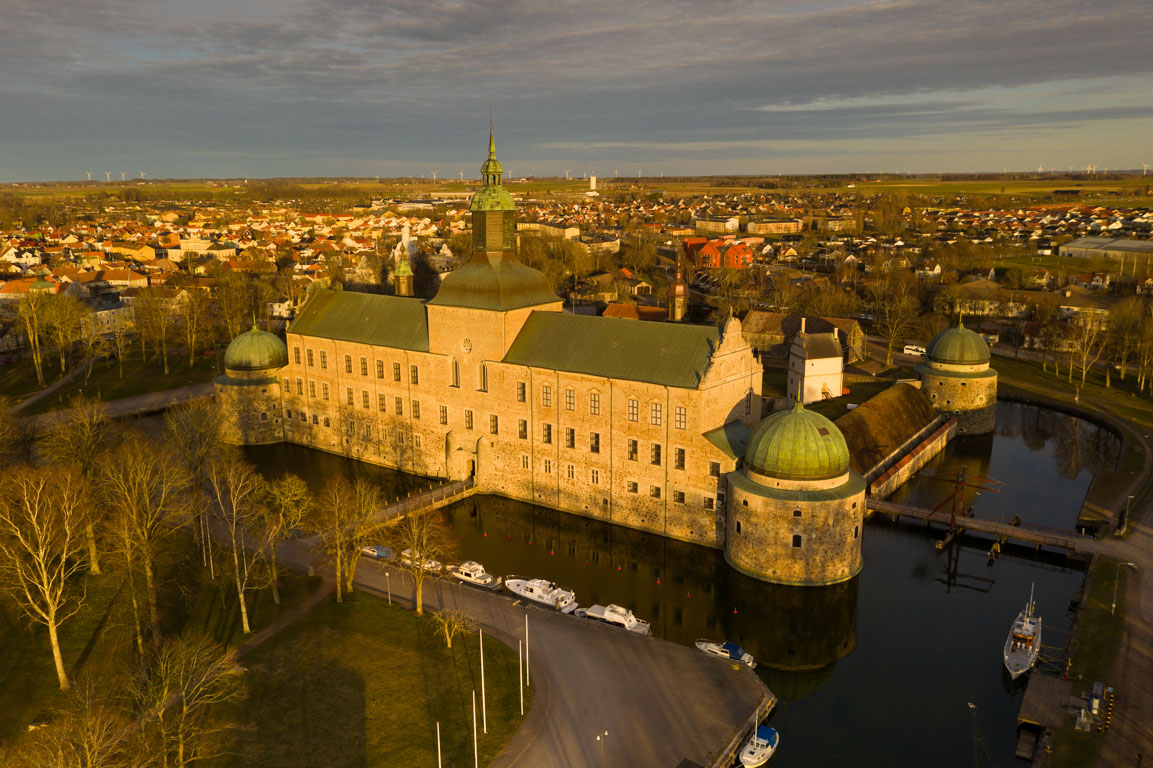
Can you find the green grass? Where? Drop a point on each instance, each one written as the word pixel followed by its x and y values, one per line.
pixel 140 378
pixel 1121 397
pixel 364 684
pixel 17 380
pixel 1096 638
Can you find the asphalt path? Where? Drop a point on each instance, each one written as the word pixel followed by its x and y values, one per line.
pixel 660 702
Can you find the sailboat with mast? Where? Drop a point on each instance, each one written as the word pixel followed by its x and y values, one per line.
pixel 1023 645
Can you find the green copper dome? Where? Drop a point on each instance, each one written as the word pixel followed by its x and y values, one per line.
pixel 958 346
pixel 492 196
pixel 403 269
pixel 256 350
pixel 797 445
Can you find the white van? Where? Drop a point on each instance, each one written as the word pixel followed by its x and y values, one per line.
pixel 914 350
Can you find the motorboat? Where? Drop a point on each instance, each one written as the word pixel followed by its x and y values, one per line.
pixel 406 558
pixel 760 746
pixel 1023 645
pixel 472 572
pixel 730 651
pixel 616 616
pixel 377 551
pixel 542 591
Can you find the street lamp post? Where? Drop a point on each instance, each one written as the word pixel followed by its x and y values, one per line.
pixel 1116 578
pixel 601 737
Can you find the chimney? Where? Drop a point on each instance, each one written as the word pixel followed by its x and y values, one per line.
pixel 802 323
pixel 836 333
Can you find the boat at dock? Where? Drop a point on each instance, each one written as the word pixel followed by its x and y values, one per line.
pixel 727 651
pixel 472 572
pixel 760 746
pixel 616 616
pixel 1023 645
pixel 407 559
pixel 542 591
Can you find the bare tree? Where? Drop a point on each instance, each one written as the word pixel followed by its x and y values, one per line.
pixel 33 314
pixel 9 433
pixel 1125 320
pixel 365 503
pixel 194 309
pixel 234 298
pixel 120 337
pixel 331 520
pixel 450 622
pixel 238 493
pixel 179 694
pixel 40 530
pixel 416 533
pixel 195 431
pixel 75 441
pixel 65 317
pixel 895 309
pixel 289 501
pixel 154 320
pixel 145 487
pixel 1087 344
pixel 88 732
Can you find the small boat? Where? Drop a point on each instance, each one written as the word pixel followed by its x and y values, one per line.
pixel 1023 644
pixel 406 558
pixel 760 746
pixel 728 651
pixel 542 591
pixel 617 617
pixel 472 572
pixel 377 551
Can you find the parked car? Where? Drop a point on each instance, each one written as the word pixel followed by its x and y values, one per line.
pixel 914 350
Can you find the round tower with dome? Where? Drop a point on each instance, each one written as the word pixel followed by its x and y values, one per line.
pixel 248 394
pixel 958 381
pixel 797 509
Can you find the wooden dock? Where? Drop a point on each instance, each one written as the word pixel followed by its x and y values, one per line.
pixel 1001 532
pixel 1042 709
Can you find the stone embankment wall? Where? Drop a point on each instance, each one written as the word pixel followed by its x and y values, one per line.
pixel 904 468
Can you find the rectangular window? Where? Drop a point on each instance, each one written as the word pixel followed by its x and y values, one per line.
pixel 454 381
pixel 398 403
pixel 796 540
pixel 569 400
pixel 708 502
pixel 595 404
pixel 632 450
pixel 569 438
pixel 596 477
pixel 324 390
pixel 416 409
pixel 323 359
pixel 287 386
pixel 678 497
pixel 594 442
pixel 655 454
pixel 327 423
pixel 381 403
pixel 300 386
pixel 484 377
pixel 631 486
pixel 571 471
pixel 315 419
pixel 468 419
pixel 413 374
pixel 444 414
pixel 522 429
pixel 296 355
pixel 493 425
pixel 364 398
pixel 546 434
pixel 678 458
pixel 348 363
pixel 546 396
pixel 364 366
pixel 520 391
pixel 312 389
pixel 655 414
pixel 288 413
pixel 396 371
pixel 634 410
pixel 715 468
pixel 303 417
pixel 416 441
pixel 655 491
pixel 547 467
pixel 524 462
pixel 310 358
pixel 380 369
pixel 748 403
pixel 680 417
pixel 348 396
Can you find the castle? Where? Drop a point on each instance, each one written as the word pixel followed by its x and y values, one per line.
pixel 654 426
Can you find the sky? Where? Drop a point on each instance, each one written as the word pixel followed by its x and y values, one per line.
pixel 272 88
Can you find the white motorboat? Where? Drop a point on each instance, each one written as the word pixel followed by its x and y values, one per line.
pixel 378 551
pixel 472 572
pixel 406 558
pixel 730 651
pixel 542 591
pixel 760 746
pixel 617 617
pixel 1023 645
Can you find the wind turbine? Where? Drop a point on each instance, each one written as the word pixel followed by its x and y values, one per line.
pixel 434 173
pixel 1040 169
pixel 122 175
pixel 462 174
pixel 142 174
pixel 615 174
pixel 89 175
pixel 566 170
pixel 1144 170
pixel 108 176
pixel 638 173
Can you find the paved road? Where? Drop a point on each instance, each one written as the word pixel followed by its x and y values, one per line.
pixel 660 702
pixel 135 406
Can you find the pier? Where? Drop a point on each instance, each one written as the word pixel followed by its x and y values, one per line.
pixel 1001 532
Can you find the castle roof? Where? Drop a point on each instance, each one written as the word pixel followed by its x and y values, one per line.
pixel 256 350
pixel 797 444
pixel 957 346
pixel 365 318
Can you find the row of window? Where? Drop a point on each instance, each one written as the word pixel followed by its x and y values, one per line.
pixel 397 370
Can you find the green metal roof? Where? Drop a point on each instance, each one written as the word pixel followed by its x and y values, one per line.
pixel 958 346
pixel 494 282
pixel 798 444
pixel 403 269
pixel 851 487
pixel 731 438
pixel 492 199
pixel 366 318
pixel 256 350
pixel 669 354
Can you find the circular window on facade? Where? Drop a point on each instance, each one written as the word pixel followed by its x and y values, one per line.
pixel 467 345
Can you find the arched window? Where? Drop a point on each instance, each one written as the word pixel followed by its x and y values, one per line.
pixel 796 540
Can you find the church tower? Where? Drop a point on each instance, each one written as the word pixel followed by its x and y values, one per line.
pixel 678 297
pixel 403 277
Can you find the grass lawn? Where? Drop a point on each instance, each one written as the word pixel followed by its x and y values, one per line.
pixel 17 380
pixel 364 684
pixel 140 378
pixel 1097 636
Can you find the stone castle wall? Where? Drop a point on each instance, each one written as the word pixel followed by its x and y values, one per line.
pixel 898 474
pixel 251 407
pixel 972 400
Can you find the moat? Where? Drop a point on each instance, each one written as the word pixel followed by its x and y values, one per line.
pixel 877 671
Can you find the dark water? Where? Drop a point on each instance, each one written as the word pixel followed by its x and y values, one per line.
pixel 875 672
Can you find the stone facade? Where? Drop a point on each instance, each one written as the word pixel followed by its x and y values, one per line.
pixel 251 404
pixel 973 401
